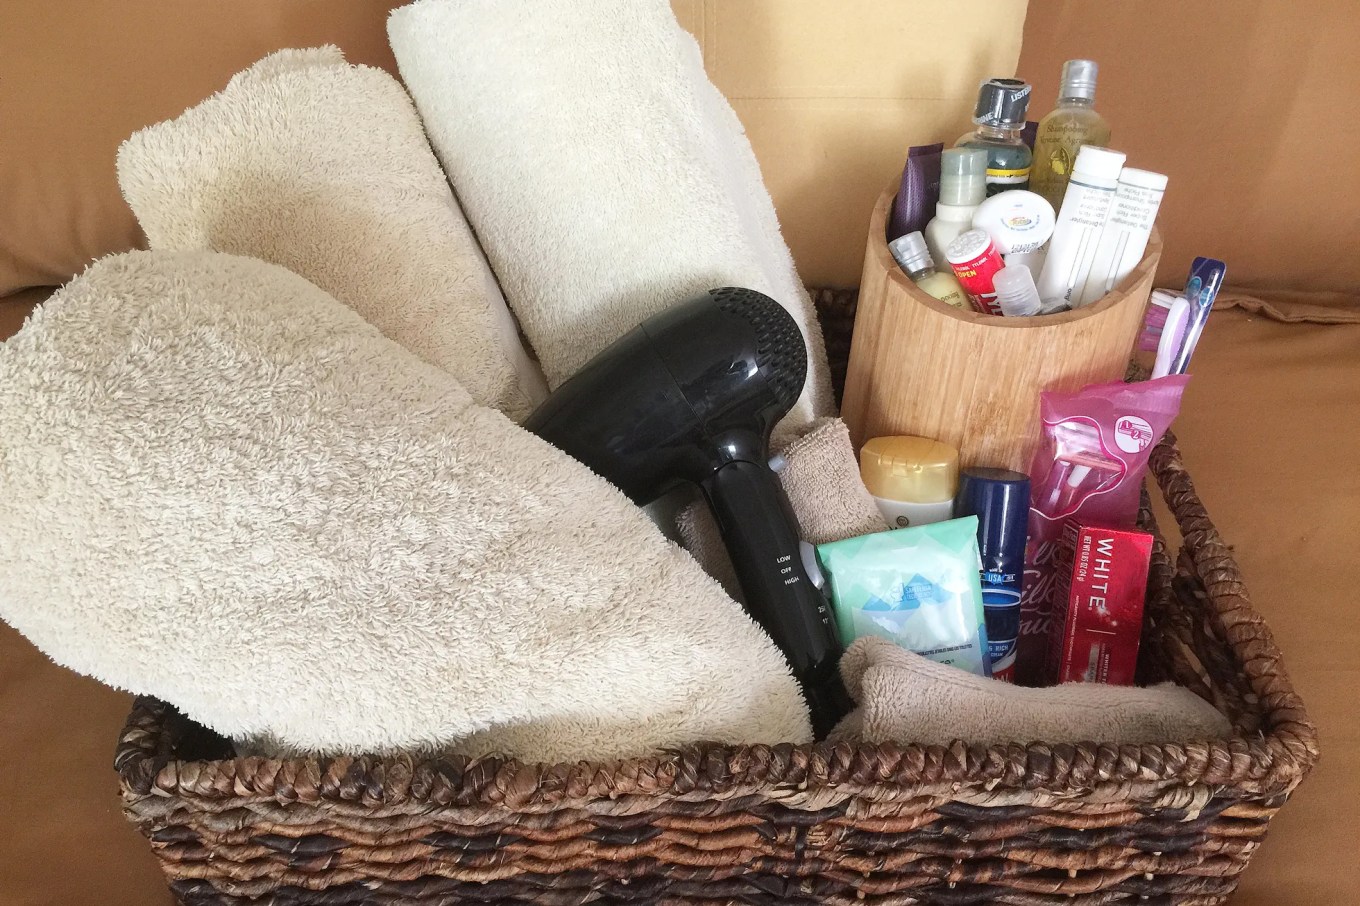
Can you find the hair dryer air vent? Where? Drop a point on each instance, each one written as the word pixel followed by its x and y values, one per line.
pixel 780 349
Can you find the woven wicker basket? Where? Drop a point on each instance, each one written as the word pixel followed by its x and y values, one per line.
pixel 1023 823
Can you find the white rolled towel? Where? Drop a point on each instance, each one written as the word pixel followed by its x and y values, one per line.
pixel 223 488
pixel 323 167
pixel 605 175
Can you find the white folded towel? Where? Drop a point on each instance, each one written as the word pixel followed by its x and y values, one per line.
pixel 904 697
pixel 225 489
pixel 324 168
pixel 605 175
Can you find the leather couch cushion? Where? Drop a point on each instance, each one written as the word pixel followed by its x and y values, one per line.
pixel 79 76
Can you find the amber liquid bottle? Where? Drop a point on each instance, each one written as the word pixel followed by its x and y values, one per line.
pixel 1073 123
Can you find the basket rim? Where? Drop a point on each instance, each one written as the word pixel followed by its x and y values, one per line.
pixel 1265 765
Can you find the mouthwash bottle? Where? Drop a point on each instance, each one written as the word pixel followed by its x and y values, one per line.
pixel 1000 117
pixel 1073 123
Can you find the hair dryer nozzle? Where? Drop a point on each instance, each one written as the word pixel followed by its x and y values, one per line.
pixel 688 391
pixel 781 351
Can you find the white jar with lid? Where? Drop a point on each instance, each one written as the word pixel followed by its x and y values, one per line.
pixel 1019 222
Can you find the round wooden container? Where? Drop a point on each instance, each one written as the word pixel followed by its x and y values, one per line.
pixel 919 366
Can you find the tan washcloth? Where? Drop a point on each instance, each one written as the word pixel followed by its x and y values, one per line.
pixel 906 698
pixel 820 475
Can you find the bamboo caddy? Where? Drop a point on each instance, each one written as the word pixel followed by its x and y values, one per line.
pixel 972 380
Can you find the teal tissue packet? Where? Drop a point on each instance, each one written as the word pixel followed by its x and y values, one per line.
pixel 919 587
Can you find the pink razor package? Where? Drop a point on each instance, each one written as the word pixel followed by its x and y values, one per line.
pixel 1089 469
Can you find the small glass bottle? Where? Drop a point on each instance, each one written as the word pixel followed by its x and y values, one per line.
pixel 911 254
pixel 1073 123
pixel 1000 118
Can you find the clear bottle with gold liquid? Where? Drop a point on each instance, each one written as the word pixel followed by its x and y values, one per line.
pixel 1073 123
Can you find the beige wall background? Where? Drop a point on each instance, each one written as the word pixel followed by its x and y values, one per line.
pixel 1253 111
pixel 833 93
pixel 1249 107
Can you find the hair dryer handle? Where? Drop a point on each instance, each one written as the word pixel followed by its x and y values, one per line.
pixel 761 535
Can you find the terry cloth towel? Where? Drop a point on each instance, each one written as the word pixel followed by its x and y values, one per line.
pixel 225 489
pixel 324 168
pixel 605 175
pixel 906 698
pixel 820 475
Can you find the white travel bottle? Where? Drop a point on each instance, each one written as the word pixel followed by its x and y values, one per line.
pixel 1085 208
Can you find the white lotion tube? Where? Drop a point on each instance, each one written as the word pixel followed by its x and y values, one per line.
pixel 1125 236
pixel 1085 207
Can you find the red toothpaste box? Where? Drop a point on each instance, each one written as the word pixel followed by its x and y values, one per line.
pixel 1097 624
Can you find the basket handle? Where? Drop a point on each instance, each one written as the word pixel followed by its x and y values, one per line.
pixel 1255 653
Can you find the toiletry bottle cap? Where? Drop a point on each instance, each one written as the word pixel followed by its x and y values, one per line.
pixel 1143 179
pixel 1098 163
pixel 1002 102
pixel 968 245
pixel 963 176
pixel 910 469
pixel 911 252
pixel 1016 293
pixel 1078 79
pixel 1000 500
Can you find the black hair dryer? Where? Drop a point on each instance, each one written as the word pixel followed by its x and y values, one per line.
pixel 691 395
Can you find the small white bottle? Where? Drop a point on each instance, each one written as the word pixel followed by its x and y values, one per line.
pixel 912 479
pixel 963 186
pixel 1085 208
pixel 913 257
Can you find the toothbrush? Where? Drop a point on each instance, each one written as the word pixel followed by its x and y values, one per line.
pixel 1173 331
pixel 1154 322
pixel 1206 276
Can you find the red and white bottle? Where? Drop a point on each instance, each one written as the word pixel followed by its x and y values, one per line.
pixel 976 260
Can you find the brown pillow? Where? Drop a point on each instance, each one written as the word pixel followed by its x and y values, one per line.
pixel 79 76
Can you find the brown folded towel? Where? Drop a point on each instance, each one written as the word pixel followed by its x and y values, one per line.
pixel 821 477
pixel 904 697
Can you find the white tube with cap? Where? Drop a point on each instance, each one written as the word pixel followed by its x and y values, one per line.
pixel 1125 235
pixel 1085 208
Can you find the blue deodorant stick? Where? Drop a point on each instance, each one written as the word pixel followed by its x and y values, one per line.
pixel 1000 500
